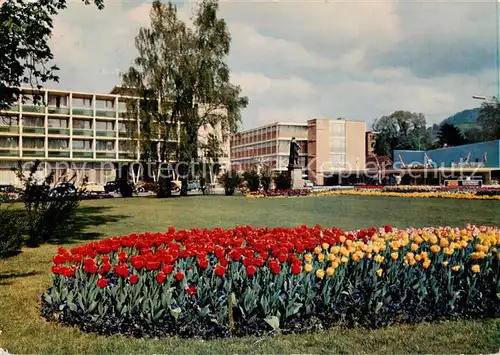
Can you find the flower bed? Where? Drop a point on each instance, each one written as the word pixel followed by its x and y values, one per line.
pixel 219 283
pixel 281 193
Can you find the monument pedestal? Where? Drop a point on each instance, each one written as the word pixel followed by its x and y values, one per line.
pixel 296 178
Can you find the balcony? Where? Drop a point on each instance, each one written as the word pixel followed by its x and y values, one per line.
pixel 59 110
pixel 123 134
pixel 105 113
pixel 83 112
pixel 13 108
pixel 103 155
pixel 9 129
pixel 105 134
pixel 122 114
pixel 34 153
pixel 83 155
pixel 9 152
pixel 34 130
pixel 59 154
pixel 33 108
pixel 83 132
pixel 59 131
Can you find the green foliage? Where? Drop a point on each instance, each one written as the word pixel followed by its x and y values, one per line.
pixel 266 177
pixel 400 130
pixel 283 181
pixel 230 180
pixel 489 118
pixel 183 80
pixel 25 29
pixel 252 179
pixel 469 116
pixel 450 135
pixel 47 211
pixel 11 230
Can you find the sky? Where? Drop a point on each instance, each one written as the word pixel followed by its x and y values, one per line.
pixel 298 60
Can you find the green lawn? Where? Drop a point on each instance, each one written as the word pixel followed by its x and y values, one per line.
pixel 25 276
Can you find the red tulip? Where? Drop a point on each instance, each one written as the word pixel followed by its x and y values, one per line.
pixel 133 279
pixel 160 277
pixel 179 276
pixel 101 283
pixel 251 270
pixel 220 270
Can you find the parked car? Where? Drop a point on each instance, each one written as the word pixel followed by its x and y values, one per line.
pixel 94 188
pixel 308 183
pixel 63 189
pixel 9 192
pixel 194 186
pixel 112 186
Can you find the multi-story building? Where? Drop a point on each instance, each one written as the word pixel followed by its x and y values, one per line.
pixel 335 147
pixel 269 144
pixel 328 147
pixel 74 132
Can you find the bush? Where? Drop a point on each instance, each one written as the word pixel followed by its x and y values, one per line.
pixel 11 231
pixel 283 181
pixel 218 283
pixel 252 179
pixel 266 177
pixel 48 211
pixel 230 180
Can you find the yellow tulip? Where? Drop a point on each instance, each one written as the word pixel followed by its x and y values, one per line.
pixel 475 268
pixel 344 259
pixel 414 247
pixel 308 267
pixel 325 246
pixel 330 271
pixel 331 257
pixel 335 264
pixel 455 268
pixel 308 258
pixel 394 256
pixel 443 243
pixel 342 239
pixel 445 263
pixel 478 255
pixel 320 273
pixel 335 250
pixel 448 251
pixel 426 263
pixel 318 250
pixel 321 257
pixel 435 248
pixel 379 272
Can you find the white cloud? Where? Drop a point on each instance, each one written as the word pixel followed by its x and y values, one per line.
pixel 307 59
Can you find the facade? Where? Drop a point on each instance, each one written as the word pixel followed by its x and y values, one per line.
pixel 335 147
pixel 328 147
pixel 268 144
pixel 371 136
pixel 75 132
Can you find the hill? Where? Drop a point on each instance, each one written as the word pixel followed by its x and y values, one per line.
pixel 465 119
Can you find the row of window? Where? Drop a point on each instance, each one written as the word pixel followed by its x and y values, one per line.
pixel 62 101
pixel 271 132
pixel 77 144
pixel 63 123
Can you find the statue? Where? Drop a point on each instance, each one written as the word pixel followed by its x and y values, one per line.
pixel 293 160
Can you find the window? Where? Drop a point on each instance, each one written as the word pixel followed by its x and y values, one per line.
pixel 9 121
pixel 9 142
pixel 122 106
pixel 124 146
pixel 105 126
pixel 337 129
pixel 33 143
pixel 82 144
pixel 82 124
pixel 122 127
pixel 338 160
pixel 33 121
pixel 58 144
pixel 105 104
pixel 58 101
pixel 82 102
pixel 337 145
pixel 105 145
pixel 58 123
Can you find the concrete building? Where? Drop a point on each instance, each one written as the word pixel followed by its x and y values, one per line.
pixel 269 144
pixel 328 147
pixel 74 132
pixel 335 148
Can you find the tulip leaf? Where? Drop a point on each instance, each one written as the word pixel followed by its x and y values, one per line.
pixel 274 322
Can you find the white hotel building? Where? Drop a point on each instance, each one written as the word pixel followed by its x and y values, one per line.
pixel 83 131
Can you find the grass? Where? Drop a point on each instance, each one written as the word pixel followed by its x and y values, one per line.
pixel 25 276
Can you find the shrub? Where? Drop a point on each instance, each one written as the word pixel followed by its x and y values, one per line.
pixel 266 177
pixel 252 179
pixel 11 231
pixel 47 211
pixel 243 281
pixel 230 180
pixel 283 181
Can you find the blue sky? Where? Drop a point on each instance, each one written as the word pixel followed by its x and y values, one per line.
pixel 298 60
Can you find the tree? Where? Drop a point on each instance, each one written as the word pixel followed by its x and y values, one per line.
pixel 400 130
pixel 182 79
pixel 25 28
pixel 489 118
pixel 266 177
pixel 450 135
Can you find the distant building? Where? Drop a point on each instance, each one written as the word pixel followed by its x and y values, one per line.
pixel 371 136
